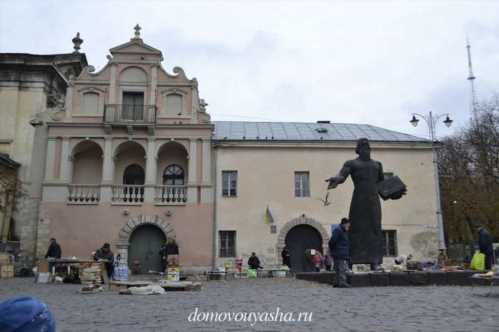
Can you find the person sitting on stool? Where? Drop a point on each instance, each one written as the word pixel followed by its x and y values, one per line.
pixel 254 262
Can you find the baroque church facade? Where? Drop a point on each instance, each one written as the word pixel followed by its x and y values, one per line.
pixel 131 157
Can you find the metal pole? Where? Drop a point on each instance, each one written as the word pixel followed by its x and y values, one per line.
pixel 440 225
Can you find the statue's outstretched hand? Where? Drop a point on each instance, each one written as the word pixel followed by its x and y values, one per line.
pixel 333 182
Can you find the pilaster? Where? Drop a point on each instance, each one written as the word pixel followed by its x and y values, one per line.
pixel 50 159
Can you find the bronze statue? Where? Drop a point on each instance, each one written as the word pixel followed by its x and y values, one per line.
pixel 366 239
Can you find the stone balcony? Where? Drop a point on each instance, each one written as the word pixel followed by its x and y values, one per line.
pixel 88 194
pixel 129 115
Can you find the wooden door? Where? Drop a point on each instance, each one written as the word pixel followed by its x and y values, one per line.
pixel 298 240
pixel 145 244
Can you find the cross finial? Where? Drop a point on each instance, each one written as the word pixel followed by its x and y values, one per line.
pixel 77 41
pixel 137 29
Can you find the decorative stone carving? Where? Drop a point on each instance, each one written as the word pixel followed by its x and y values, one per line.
pixel 127 230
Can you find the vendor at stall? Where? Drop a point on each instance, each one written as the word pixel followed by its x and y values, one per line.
pixel 105 255
pixel 53 252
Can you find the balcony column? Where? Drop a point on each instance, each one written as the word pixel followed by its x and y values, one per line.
pixel 151 170
pixel 107 171
pixel 192 182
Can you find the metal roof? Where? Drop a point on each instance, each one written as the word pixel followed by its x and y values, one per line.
pixel 305 131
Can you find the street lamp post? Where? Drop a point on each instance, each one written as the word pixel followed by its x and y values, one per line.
pixel 431 120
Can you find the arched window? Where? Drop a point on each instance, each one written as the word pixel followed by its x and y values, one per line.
pixel 174 175
pixel 134 174
pixel 133 180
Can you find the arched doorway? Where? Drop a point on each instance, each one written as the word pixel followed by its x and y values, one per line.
pixel 145 243
pixel 298 240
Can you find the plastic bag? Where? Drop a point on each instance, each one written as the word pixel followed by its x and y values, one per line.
pixel 251 273
pixel 478 261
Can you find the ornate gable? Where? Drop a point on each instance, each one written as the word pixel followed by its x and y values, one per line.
pixel 136 47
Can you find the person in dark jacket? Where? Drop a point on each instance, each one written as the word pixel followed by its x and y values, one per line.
pixel 485 246
pixel 169 254
pixel 286 257
pixel 54 250
pixel 254 262
pixel 339 247
pixel 105 255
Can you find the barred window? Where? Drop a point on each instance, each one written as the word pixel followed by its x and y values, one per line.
pixel 302 184
pixel 229 183
pixel 227 243
pixel 390 243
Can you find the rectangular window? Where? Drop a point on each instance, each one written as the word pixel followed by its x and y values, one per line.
pixel 174 104
pixel 390 243
pixel 302 184
pixel 229 183
pixel 227 243
pixel 133 106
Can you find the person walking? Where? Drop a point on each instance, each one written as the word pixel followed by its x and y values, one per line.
pixel 339 247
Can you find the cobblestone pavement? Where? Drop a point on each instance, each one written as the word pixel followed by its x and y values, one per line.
pixel 357 309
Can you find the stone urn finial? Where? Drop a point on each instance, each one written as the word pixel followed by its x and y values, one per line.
pixel 77 41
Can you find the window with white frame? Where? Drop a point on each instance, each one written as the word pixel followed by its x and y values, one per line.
pixel 302 184
pixel 227 244
pixel 229 183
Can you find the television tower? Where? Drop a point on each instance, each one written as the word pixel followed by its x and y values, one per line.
pixel 471 78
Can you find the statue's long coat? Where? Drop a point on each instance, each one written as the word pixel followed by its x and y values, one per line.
pixel 365 211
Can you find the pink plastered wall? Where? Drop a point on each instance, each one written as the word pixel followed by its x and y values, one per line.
pixel 82 229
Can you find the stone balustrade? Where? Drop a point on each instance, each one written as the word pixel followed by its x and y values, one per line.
pixel 83 193
pixel 127 193
pixel 171 194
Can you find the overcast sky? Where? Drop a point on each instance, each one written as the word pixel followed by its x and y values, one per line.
pixel 361 62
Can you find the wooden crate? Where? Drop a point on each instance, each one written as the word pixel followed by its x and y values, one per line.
pixel 6 271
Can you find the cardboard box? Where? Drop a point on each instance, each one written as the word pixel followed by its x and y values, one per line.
pixel 43 267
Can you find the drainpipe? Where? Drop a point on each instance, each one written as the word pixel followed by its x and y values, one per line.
pixel 37 175
pixel 214 182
